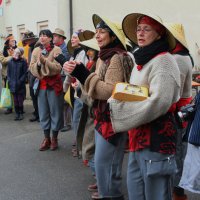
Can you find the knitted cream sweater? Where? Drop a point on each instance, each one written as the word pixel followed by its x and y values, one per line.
pixel 185 67
pixel 162 76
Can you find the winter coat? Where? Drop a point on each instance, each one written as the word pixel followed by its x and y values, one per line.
pixel 16 73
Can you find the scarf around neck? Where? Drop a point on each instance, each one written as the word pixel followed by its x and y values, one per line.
pixel 144 54
pixel 110 50
pixel 77 51
pixel 181 50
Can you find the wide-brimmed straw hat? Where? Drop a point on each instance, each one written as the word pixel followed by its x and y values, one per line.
pixel 60 32
pixel 28 35
pixel 177 31
pixel 114 26
pixel 129 25
pixel 83 36
pixel 92 44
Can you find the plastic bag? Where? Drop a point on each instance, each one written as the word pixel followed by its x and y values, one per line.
pixel 6 98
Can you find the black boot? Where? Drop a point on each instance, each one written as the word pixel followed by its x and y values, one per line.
pixel 21 116
pixel 17 113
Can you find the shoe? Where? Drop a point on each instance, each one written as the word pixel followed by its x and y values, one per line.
pixel 8 111
pixel 75 153
pixel 95 195
pixel 17 117
pixel 176 197
pixel 54 144
pixel 21 117
pixel 66 128
pixel 74 144
pixel 85 163
pixel 93 188
pixel 45 144
pixel 34 119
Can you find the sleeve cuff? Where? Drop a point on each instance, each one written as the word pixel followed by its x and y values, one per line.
pixel 81 73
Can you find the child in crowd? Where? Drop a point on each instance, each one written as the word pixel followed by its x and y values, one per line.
pixel 16 74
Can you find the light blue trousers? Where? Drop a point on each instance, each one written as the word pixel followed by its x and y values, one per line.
pixel 108 165
pixel 143 187
pixel 78 105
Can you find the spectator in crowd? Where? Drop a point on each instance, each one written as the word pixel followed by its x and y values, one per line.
pixel 151 123
pixel 16 76
pixel 86 136
pixel 50 95
pixel 185 64
pixel 79 55
pixel 59 40
pixel 29 39
pixel 5 56
pixel 110 69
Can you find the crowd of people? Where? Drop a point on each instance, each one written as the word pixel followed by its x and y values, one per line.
pixel 71 86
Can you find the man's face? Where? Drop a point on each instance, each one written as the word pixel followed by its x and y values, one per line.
pixel 57 39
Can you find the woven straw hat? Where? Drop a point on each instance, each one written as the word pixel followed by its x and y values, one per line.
pixel 115 27
pixel 60 32
pixel 129 25
pixel 92 43
pixel 177 31
pixel 83 36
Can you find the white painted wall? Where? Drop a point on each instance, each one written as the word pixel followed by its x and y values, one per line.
pixel 29 12
pixel 179 11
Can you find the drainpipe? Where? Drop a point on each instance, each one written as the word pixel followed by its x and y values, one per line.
pixel 71 17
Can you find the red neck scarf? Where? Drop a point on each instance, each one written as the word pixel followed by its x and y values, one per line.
pixel 179 47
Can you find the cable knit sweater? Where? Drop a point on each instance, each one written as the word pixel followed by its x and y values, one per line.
pixel 162 76
pixel 185 67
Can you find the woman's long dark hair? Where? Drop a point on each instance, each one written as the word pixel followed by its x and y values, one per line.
pixel 6 48
pixel 49 34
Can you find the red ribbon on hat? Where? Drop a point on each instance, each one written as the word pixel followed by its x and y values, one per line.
pixel 160 29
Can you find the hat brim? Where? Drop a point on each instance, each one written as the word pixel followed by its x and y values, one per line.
pixel 177 33
pixel 129 25
pixel 32 38
pixel 92 44
pixel 60 35
pixel 83 36
pixel 86 35
pixel 113 26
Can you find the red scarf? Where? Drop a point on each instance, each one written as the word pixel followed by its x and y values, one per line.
pixel 179 47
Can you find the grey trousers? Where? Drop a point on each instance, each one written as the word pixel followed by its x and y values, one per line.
pixel 108 165
pixel 50 110
pixel 181 149
pixel 143 187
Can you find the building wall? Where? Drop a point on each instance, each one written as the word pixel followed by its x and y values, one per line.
pixel 29 12
pixel 179 11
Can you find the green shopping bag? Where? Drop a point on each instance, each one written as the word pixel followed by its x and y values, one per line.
pixel 6 98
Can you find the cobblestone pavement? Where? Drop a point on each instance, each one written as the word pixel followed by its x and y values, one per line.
pixel 28 174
